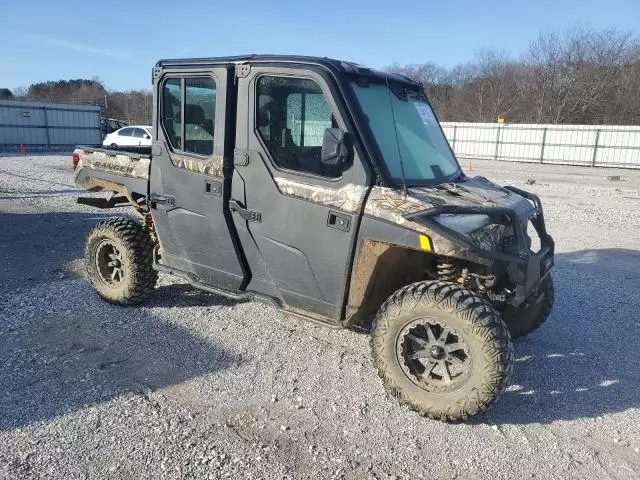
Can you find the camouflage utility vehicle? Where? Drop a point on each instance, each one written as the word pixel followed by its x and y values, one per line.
pixel 329 190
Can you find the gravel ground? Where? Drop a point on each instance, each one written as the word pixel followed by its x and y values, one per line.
pixel 195 386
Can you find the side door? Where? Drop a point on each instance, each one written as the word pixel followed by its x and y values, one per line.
pixel 187 187
pixel 300 217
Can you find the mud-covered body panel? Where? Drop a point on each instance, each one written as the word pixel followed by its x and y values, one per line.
pixel 391 251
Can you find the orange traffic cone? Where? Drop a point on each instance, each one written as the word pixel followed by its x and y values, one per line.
pixel 22 150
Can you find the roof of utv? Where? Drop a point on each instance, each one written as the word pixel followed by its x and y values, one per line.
pixel 339 66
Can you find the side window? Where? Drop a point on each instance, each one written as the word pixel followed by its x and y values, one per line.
pixel 139 133
pixel 172 111
pixel 199 115
pixel 197 107
pixel 126 132
pixel 291 119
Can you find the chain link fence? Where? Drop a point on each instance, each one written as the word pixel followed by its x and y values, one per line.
pixel 586 145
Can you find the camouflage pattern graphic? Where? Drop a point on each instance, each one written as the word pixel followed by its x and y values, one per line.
pixel 113 162
pixel 392 205
pixel 347 198
pixel 210 166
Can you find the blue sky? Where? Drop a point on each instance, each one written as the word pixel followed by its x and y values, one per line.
pixel 119 42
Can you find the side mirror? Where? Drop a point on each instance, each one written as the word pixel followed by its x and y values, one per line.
pixel 148 137
pixel 335 150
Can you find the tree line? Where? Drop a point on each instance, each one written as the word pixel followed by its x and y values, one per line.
pixel 133 106
pixel 579 76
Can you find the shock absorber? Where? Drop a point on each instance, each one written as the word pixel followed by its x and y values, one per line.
pixel 446 270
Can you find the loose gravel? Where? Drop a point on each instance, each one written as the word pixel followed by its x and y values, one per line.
pixel 195 386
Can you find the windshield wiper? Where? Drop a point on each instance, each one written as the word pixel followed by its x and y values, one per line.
pixel 395 130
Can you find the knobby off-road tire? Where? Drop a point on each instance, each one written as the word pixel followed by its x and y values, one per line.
pixel 456 317
pixel 531 314
pixel 119 260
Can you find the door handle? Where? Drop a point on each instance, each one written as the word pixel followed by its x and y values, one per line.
pixel 248 215
pixel 339 221
pixel 162 199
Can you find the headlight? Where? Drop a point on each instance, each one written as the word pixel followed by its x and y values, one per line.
pixel 477 227
pixel 488 237
pixel 463 223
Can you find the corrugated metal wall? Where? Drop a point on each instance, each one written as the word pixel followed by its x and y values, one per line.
pixel 589 145
pixel 48 125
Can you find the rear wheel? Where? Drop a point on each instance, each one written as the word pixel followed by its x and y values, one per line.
pixel 113 146
pixel 442 350
pixel 532 313
pixel 119 260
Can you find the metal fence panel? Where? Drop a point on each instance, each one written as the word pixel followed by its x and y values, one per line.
pixel 47 125
pixel 590 145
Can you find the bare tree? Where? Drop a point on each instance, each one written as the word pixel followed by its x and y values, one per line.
pixel 571 76
pixel 486 88
pixel 577 76
pixel 135 106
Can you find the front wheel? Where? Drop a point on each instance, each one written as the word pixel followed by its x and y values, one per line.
pixel 119 259
pixel 442 350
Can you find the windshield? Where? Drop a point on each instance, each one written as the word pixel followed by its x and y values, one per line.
pixel 405 128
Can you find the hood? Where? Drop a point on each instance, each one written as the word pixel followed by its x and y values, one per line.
pixel 471 192
pixel 476 191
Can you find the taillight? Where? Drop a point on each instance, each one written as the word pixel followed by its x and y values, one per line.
pixel 75 159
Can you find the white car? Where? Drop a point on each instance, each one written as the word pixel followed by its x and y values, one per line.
pixel 131 136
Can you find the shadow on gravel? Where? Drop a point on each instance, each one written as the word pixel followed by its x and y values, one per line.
pixel 57 362
pixel 583 362
pixel 37 246
pixel 63 348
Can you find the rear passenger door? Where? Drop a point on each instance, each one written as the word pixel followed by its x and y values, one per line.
pixel 187 178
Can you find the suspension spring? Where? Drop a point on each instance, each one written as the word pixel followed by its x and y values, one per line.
pixel 447 271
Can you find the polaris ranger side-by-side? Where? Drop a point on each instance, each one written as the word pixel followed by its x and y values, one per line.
pixel 329 190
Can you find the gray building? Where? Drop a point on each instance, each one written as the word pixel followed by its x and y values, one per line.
pixel 42 126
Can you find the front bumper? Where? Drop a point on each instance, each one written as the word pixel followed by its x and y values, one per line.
pixel 527 269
